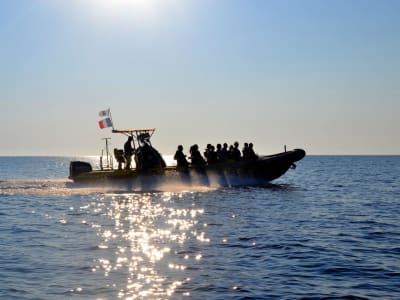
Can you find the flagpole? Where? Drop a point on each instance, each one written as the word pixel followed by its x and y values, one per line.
pixel 112 122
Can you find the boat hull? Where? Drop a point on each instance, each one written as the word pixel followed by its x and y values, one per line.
pixel 264 169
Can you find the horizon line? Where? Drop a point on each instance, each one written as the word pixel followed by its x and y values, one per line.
pixel 94 155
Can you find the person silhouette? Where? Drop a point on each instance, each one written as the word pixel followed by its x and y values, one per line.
pixel 128 152
pixel 250 153
pixel 180 158
pixel 195 156
pixel 236 152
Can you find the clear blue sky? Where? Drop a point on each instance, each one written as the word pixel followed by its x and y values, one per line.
pixel 319 75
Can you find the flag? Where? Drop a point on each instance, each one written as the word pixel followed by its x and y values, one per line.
pixel 104 113
pixel 105 123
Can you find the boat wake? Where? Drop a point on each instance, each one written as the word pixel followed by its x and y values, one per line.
pixel 62 187
pixel 39 187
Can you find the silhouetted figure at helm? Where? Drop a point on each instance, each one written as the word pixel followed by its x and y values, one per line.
pixel 128 152
pixel 195 156
pixel 180 158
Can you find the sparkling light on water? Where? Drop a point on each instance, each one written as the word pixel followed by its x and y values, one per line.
pixel 328 230
pixel 142 240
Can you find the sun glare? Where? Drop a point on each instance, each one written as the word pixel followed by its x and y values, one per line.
pixel 137 9
pixel 110 13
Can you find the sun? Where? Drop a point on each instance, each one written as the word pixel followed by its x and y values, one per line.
pixel 127 5
pixel 137 9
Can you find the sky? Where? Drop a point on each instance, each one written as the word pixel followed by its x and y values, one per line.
pixel 313 74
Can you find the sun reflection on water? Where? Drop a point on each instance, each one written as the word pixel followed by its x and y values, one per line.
pixel 142 239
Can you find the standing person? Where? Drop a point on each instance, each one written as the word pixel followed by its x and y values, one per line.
pixel 128 149
pixel 180 158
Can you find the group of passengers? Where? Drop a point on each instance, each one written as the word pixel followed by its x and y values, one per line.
pixel 212 156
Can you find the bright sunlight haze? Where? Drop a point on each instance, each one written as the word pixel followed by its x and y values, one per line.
pixel 318 75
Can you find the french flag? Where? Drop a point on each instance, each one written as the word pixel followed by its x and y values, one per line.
pixel 105 123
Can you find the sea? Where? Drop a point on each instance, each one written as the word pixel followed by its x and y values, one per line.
pixel 329 229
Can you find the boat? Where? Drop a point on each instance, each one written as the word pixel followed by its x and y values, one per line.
pixel 150 165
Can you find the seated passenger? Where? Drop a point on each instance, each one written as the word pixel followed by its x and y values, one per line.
pixel 245 151
pixel 180 158
pixel 251 154
pixel 236 152
pixel 224 153
pixel 119 156
pixel 207 151
pixel 230 152
pixel 219 152
pixel 212 155
pixel 195 156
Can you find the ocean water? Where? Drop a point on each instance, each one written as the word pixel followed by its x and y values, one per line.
pixel 329 229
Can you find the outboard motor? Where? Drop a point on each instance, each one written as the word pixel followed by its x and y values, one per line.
pixel 78 167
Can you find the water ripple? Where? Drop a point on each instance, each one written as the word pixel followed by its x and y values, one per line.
pixel 315 234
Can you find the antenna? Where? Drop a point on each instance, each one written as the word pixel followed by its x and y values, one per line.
pixel 108 156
